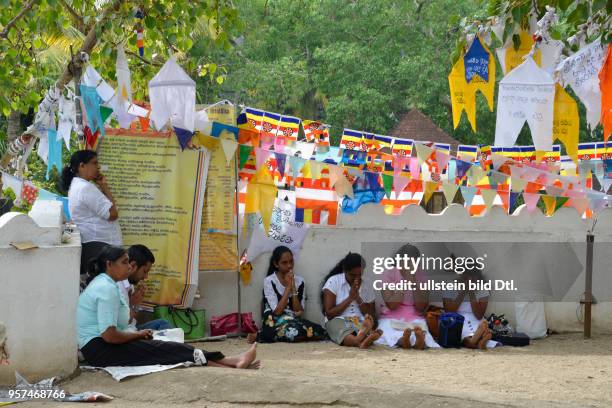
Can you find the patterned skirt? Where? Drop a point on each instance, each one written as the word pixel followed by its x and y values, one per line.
pixel 288 328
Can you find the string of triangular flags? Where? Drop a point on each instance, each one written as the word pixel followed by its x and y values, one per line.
pixel 373 168
pixel 316 170
pixel 533 89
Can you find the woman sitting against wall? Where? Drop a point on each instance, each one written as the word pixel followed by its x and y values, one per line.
pixel 472 305
pixel 347 305
pixel 401 315
pixel 284 302
pixel 102 322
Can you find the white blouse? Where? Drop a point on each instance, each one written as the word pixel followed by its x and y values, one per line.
pixel 274 289
pixel 338 285
pixel 90 210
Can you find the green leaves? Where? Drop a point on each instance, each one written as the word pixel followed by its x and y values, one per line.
pixel 579 14
pixel 564 4
pixel 37 49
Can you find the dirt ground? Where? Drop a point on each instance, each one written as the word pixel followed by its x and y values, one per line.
pixel 560 371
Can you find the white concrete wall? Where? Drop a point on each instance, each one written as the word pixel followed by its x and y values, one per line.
pixel 39 289
pixel 324 246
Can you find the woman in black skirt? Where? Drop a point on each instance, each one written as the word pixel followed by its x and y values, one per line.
pixel 103 317
pixel 284 301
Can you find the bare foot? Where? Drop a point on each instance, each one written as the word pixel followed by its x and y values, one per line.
pixel 404 341
pixel 255 365
pixel 420 338
pixel 372 337
pixel 482 344
pixel 368 323
pixel 251 338
pixel 248 357
pixel 480 331
pixel 473 340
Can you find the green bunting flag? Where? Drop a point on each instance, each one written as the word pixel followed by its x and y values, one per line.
pixel 105 112
pixel 245 151
pixel 387 184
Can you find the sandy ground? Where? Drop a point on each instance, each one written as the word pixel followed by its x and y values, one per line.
pixel 562 370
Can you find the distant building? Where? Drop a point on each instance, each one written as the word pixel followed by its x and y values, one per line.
pixel 419 127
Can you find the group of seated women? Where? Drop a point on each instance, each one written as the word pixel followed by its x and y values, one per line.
pixel 350 315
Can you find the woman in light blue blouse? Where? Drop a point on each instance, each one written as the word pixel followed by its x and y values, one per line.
pixel 102 326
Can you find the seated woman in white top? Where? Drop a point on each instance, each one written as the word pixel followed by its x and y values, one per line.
pixel 347 306
pixel 284 301
pixel 472 305
pixel 92 206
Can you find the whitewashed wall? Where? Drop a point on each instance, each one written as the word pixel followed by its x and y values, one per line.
pixel 39 289
pixel 324 246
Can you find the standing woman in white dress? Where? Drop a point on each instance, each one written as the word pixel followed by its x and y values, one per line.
pixel 92 206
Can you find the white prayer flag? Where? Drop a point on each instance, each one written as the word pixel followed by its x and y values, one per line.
pixel 581 71
pixel 527 93
pixel 172 94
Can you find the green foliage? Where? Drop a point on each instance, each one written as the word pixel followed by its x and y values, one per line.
pixel 25 207
pixel 35 47
pixel 357 64
pixel 52 27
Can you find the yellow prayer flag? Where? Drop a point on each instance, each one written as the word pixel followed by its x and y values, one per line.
pixel 463 95
pixel 430 188
pixel 550 203
pixel 514 58
pixel 461 99
pixel 202 140
pixel 260 198
pixel 566 122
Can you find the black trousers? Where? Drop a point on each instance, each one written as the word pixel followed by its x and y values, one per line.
pixel 141 352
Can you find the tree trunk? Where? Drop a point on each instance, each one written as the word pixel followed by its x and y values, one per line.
pixel 14 125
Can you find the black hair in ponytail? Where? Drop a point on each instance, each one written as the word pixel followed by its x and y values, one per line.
pixel 70 171
pixel 350 261
pixel 277 254
pixel 96 266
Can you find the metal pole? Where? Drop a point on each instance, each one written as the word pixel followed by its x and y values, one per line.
pixel 240 333
pixel 237 207
pixel 588 286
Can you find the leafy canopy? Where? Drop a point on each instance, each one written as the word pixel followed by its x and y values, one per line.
pixel 36 36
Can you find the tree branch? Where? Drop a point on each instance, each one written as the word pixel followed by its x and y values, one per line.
pixel 80 24
pixel 143 59
pixel 24 10
pixel 88 44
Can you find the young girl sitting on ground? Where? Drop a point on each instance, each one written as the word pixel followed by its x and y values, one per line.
pixel 472 305
pixel 347 306
pixel 401 316
pixel 284 300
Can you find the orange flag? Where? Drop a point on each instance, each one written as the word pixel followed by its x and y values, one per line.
pixel 605 84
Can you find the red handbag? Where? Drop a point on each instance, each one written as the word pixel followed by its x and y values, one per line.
pixel 228 324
